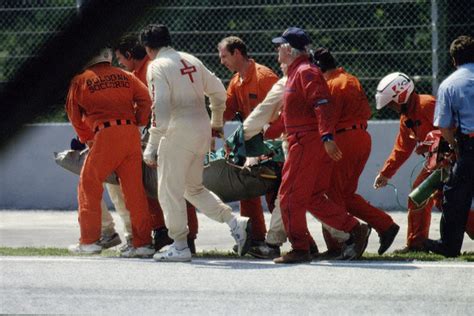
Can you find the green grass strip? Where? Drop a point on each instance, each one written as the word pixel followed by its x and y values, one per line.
pixel 218 254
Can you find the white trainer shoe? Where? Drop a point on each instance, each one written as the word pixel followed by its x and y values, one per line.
pixel 140 252
pixel 241 234
pixel 86 249
pixel 173 255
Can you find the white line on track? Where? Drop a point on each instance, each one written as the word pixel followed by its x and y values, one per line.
pixel 386 264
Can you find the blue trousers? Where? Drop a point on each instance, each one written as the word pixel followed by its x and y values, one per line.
pixel 458 194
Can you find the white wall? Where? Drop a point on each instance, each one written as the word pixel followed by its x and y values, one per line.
pixel 32 180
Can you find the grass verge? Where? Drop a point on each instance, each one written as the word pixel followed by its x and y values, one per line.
pixel 218 254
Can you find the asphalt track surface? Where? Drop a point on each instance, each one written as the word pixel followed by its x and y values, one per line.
pixel 85 285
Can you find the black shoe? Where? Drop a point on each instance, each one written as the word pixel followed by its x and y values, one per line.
pixel 358 240
pixel 264 251
pixel 192 245
pixel 294 256
pixel 313 250
pixel 408 249
pixel 387 238
pixel 161 238
pixel 333 254
pixel 437 247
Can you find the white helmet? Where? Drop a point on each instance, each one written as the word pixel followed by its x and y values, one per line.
pixel 105 55
pixel 393 87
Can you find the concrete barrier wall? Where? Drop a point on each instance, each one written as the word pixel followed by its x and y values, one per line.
pixel 32 180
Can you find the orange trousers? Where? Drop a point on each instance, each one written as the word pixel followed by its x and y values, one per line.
pixel 355 145
pixel 252 209
pixel 118 149
pixel 158 218
pixel 419 218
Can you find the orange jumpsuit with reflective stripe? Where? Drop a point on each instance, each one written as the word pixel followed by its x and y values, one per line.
pixel 243 96
pixel 154 206
pixel 352 111
pixel 104 95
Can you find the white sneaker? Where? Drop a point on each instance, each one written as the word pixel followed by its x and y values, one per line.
pixel 173 255
pixel 87 249
pixel 109 241
pixel 241 234
pixel 127 245
pixel 140 252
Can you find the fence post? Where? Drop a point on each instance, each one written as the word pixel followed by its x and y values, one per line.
pixel 434 47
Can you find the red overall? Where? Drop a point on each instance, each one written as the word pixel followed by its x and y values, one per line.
pixel 157 217
pixel 244 96
pixel 352 110
pixel 307 170
pixel 105 104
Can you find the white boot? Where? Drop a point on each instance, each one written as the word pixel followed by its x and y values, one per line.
pixel 85 249
pixel 140 252
pixel 240 229
pixel 172 254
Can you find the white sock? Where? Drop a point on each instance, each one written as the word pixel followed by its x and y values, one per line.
pixel 181 244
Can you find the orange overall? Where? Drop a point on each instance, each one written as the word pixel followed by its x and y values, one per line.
pixel 105 104
pixel 414 126
pixel 157 218
pixel 352 111
pixel 244 96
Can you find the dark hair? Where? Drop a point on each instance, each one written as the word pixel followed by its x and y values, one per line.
pixel 129 45
pixel 232 43
pixel 324 59
pixel 155 36
pixel 462 50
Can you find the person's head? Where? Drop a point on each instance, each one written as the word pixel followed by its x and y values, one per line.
pixel 323 59
pixel 462 50
pixel 154 37
pixel 129 50
pixel 394 91
pixel 232 52
pixel 291 44
pixel 103 56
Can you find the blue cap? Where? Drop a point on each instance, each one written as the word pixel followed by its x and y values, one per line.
pixel 296 37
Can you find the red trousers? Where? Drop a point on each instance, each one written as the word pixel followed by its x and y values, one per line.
pixel 118 149
pixel 158 219
pixel 355 146
pixel 253 209
pixel 305 181
pixel 419 219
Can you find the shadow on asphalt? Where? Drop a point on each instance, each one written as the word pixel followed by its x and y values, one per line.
pixel 367 265
pixel 266 264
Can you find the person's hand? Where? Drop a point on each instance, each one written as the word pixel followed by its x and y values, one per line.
pixel 150 155
pixel 380 181
pixel 218 132
pixel 333 150
pixel 251 161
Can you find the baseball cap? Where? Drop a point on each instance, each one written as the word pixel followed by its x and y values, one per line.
pixel 296 37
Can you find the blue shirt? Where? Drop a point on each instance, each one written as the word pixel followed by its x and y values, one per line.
pixel 455 102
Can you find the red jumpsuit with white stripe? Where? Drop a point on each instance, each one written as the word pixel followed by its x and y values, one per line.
pixel 105 104
pixel 307 170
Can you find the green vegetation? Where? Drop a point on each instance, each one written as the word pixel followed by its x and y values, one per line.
pixel 216 254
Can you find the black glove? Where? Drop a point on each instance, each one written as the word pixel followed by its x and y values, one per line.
pixel 76 144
